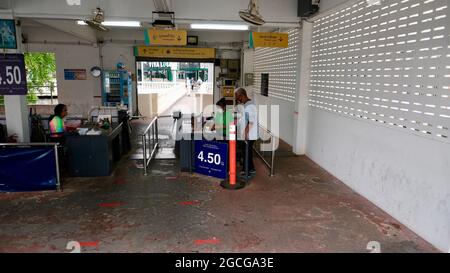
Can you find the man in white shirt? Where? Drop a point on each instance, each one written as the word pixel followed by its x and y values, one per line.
pixel 188 86
pixel 247 128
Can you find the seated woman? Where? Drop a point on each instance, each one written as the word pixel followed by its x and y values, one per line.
pixel 56 125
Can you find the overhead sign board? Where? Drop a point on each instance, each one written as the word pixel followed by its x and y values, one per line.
pixel 175 52
pixel 166 37
pixel 269 39
pixel 13 78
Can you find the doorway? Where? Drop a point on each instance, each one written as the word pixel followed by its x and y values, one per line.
pixel 167 86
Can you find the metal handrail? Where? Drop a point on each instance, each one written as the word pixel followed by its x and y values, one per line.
pixel 270 165
pixel 28 144
pixel 99 108
pixel 55 145
pixel 150 135
pixel 45 91
pixel 117 128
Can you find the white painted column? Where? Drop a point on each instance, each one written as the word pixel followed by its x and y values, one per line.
pixel 16 112
pixel 16 109
pixel 301 105
pixel 247 67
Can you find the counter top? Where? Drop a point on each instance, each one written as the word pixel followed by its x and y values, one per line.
pixel 113 130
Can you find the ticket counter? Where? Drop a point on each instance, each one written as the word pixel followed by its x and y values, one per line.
pixel 95 153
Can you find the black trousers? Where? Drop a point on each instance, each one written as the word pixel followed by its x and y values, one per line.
pixel 62 151
pixel 243 147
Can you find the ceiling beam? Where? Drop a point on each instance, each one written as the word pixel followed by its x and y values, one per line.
pixel 5 4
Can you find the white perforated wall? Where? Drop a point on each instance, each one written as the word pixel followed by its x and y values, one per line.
pixel 386 63
pixel 281 65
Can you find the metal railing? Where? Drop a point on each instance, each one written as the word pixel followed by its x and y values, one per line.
pixel 271 138
pixel 103 110
pixel 156 86
pixel 45 93
pixel 205 88
pixel 150 139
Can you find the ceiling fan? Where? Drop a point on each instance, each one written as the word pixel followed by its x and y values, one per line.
pixel 96 22
pixel 251 15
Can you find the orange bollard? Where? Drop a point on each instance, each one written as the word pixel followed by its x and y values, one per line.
pixel 232 183
pixel 232 144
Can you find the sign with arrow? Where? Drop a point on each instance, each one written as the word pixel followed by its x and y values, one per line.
pixel 166 37
pixel 163 52
pixel 268 39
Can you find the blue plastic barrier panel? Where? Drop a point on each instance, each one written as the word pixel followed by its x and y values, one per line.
pixel 211 158
pixel 28 169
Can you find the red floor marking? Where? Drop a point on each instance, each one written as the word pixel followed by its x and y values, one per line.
pixel 120 181
pixel 86 244
pixel 189 203
pixel 111 205
pixel 213 241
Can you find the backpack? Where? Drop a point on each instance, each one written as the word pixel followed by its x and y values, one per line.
pixel 37 129
pixel 2 134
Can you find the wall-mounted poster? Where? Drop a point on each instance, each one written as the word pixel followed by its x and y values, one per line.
pixel 74 74
pixel 8 34
pixel 228 91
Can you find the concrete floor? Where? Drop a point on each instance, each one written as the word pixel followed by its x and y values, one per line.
pixel 301 209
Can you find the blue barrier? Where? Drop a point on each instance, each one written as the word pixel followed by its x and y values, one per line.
pixel 28 167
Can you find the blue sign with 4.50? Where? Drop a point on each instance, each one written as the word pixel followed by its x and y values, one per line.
pixel 211 158
pixel 13 78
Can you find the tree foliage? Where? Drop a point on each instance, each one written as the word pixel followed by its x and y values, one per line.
pixel 41 69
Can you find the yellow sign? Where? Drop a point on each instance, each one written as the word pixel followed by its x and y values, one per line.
pixel 269 39
pixel 228 91
pixel 166 37
pixel 175 52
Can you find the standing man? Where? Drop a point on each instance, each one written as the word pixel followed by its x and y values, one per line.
pixel 247 128
pixel 188 86
pixel 192 84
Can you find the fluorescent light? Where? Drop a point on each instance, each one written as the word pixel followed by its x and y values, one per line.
pixel 219 26
pixel 116 23
pixel 122 23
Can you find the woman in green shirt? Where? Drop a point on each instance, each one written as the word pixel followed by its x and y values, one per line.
pixel 222 119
